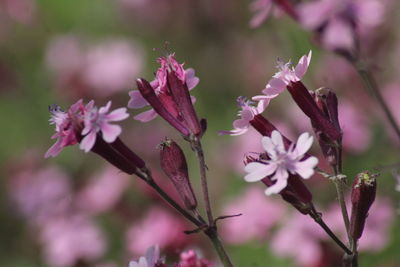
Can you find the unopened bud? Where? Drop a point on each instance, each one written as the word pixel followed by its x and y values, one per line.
pixel 362 196
pixel 173 163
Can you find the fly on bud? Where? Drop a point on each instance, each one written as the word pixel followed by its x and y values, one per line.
pixel 173 163
pixel 362 196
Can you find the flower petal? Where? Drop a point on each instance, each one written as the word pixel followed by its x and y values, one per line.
pixel 277 140
pixel 136 100
pixel 88 141
pixel 110 132
pixel 306 167
pixel 302 66
pixel 146 116
pixel 274 87
pixel 258 171
pixel 277 187
pixel 117 115
pixel 304 142
pixel 191 79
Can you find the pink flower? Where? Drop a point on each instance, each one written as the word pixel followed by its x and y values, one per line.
pixel 104 191
pixel 68 126
pixel 97 120
pixel 160 87
pixel 170 229
pixel 259 215
pixel 340 22
pixel 282 161
pixel 247 114
pixel 67 240
pixel 299 237
pixel 190 259
pixel 285 76
pixel 261 8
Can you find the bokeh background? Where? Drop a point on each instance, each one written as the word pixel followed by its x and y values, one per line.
pixel 76 210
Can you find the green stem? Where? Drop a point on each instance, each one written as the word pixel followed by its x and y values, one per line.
pixel 213 235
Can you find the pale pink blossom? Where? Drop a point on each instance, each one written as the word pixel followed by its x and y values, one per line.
pixel 97 120
pixel 341 22
pixel 169 234
pixel 22 11
pixel 160 87
pixel 246 114
pixel 111 66
pixel 40 193
pixel 191 259
pixel 284 77
pixel 281 162
pixel 259 215
pixel 299 238
pixel 103 191
pixel 68 239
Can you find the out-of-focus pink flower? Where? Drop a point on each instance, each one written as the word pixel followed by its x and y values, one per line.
pixel 112 66
pixel 169 234
pixel 340 21
pixel 247 114
pixel 356 133
pixel 261 8
pixel 41 193
pixel 190 259
pixel 162 90
pixel 285 76
pixel 97 120
pixel 103 191
pixel 259 215
pixel 71 238
pixel 299 238
pixel 282 162
pixel 97 70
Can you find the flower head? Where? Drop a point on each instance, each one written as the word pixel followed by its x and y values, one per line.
pixel 152 259
pixel 246 114
pixel 281 162
pixel 285 76
pixel 171 79
pixel 97 120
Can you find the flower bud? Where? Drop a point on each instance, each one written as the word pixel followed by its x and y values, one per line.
pixel 181 96
pixel 148 93
pixel 173 163
pixel 307 104
pixel 362 196
pixel 265 128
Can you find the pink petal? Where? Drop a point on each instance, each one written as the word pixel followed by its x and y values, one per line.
pixel 136 100
pixel 193 99
pixel 274 87
pixel 88 141
pixel 106 108
pixel 316 13
pixel 88 127
pixel 110 132
pixel 191 79
pixel 304 142
pixel 268 146
pixel 302 66
pixel 258 171
pixel 277 140
pixel 234 132
pixel 146 116
pixel 306 167
pixel 262 105
pixel 276 188
pixel 55 149
pixel 117 115
pixel 240 124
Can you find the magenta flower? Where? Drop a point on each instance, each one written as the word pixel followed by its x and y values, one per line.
pixel 281 162
pixel 247 114
pixel 162 90
pixel 151 259
pixel 97 120
pixel 285 76
pixel 191 259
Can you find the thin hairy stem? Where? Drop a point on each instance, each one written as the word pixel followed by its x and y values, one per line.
pixel 213 235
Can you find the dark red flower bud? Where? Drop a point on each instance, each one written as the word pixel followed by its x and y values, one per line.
pixel 265 128
pixel 181 96
pixel 362 196
pixel 173 163
pixel 148 93
pixel 307 104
